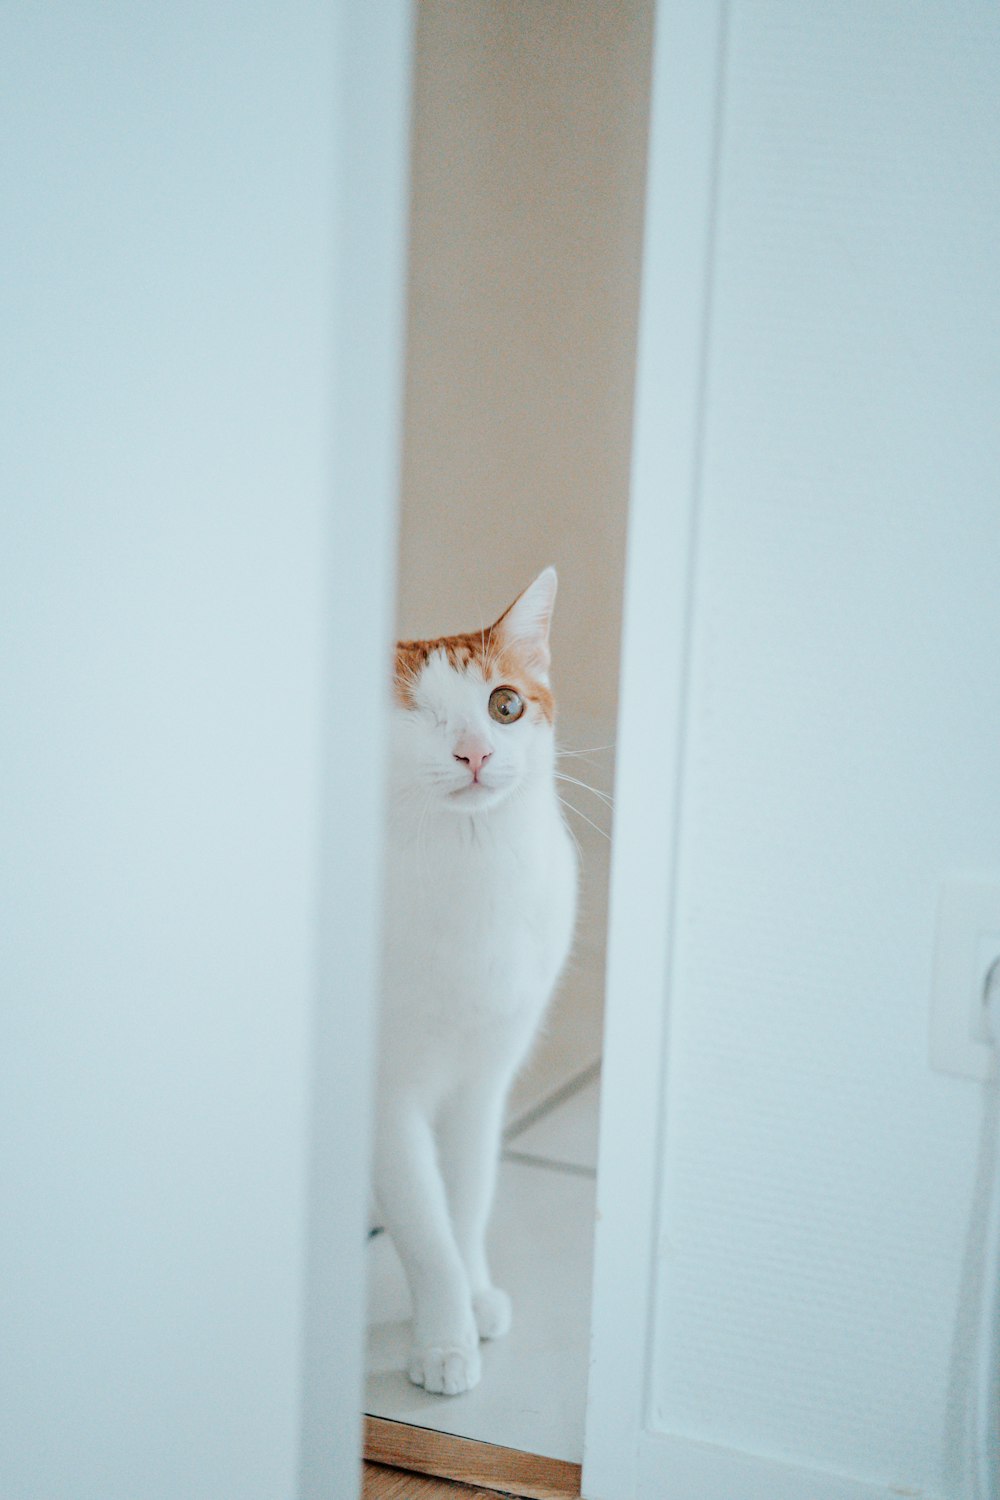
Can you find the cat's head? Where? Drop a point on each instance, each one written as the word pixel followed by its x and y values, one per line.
pixel 474 713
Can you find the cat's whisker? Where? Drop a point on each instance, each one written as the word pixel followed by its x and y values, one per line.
pixel 575 780
pixel 571 807
pixel 422 846
pixel 573 836
pixel 587 750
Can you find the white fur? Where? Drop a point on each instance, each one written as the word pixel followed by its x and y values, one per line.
pixel 480 909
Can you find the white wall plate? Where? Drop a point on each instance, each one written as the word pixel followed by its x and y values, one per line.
pixel 968 941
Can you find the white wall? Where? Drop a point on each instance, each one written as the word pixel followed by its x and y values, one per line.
pixel 816 1248
pixel 169 259
pixel 528 168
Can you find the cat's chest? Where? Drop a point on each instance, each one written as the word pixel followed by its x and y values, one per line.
pixel 481 926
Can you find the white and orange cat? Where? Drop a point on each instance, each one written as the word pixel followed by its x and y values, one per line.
pixel 480 909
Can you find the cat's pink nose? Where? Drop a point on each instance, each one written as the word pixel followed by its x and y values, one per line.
pixel 474 752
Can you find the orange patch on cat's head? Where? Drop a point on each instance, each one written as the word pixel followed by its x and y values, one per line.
pixel 514 651
pixel 495 661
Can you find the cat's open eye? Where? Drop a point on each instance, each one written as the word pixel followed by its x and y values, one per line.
pixel 506 705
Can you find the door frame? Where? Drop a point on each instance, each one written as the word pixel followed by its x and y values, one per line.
pixel 622 1450
pixel 370 195
pixel 675 309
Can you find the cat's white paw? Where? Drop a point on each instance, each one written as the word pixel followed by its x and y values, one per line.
pixel 445 1370
pixel 492 1310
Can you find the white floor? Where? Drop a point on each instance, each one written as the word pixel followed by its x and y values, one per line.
pixel 533 1389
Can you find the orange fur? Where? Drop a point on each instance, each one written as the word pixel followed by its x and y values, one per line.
pixel 485 649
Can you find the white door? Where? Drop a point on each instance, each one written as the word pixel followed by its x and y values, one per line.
pixel 792 1239
pixel 202 284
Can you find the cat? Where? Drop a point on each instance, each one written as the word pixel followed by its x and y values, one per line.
pixel 480 909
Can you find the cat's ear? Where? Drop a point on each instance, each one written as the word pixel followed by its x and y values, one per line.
pixel 525 625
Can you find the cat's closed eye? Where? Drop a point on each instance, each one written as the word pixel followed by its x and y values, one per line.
pixel 506 705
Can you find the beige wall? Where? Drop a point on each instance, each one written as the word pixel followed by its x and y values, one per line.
pixel 528 163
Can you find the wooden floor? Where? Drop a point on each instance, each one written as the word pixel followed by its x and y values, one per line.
pixel 381 1483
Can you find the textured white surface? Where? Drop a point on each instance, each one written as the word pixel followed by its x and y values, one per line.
pixel 841 749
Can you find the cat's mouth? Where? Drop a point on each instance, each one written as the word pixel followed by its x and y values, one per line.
pixel 473 789
pixel 478 793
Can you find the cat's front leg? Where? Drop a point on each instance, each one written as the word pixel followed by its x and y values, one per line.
pixel 445 1355
pixel 469 1138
